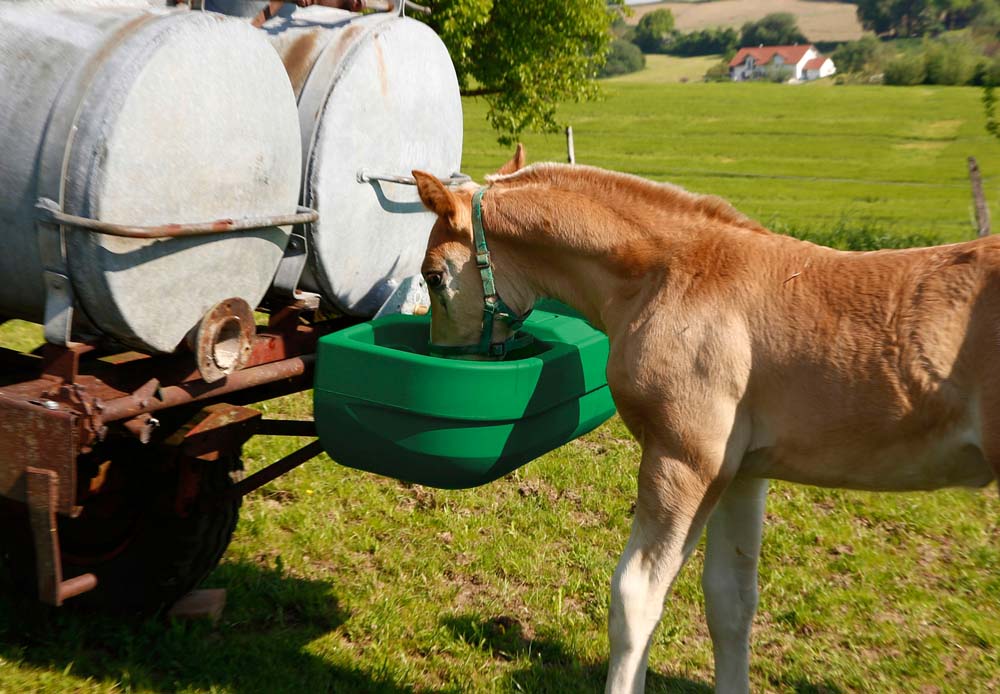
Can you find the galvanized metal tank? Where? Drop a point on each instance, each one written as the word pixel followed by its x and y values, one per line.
pixel 378 94
pixel 142 117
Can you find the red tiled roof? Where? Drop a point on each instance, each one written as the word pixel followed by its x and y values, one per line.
pixel 816 63
pixel 764 54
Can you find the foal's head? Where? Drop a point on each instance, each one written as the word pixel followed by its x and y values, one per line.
pixel 455 282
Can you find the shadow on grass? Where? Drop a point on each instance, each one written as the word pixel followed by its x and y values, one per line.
pixel 260 645
pixel 800 686
pixel 553 668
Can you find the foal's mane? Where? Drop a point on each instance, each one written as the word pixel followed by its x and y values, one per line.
pixel 622 192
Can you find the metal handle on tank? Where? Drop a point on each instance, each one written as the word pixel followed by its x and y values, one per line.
pixel 51 213
pixel 456 179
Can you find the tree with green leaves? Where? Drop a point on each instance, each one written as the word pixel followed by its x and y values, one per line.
pixel 654 31
pixel 858 56
pixel 906 70
pixel 524 58
pixel 721 40
pixel 899 17
pixel 908 18
pixel 623 58
pixel 990 105
pixel 775 29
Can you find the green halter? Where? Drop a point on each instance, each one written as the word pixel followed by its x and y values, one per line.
pixel 494 308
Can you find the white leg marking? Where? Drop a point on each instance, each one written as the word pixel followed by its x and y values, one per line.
pixel 730 580
pixel 663 537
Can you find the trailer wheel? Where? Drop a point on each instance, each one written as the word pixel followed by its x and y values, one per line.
pixel 145 552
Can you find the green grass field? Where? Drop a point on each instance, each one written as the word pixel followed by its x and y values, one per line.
pixel 805 157
pixel 339 581
pixel 665 69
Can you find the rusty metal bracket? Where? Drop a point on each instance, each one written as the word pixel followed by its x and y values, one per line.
pixel 216 428
pixel 214 431
pixel 76 397
pixel 62 362
pixel 142 427
pixel 42 435
pixel 43 493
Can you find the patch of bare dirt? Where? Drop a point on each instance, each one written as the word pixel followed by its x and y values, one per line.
pixel 416 497
pixel 276 498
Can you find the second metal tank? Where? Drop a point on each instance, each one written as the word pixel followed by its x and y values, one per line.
pixel 139 117
pixel 377 94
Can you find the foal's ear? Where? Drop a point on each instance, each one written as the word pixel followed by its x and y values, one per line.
pixel 516 162
pixel 434 195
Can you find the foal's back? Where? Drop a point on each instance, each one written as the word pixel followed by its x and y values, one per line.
pixel 875 370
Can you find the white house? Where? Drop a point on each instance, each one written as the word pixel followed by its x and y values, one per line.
pixel 803 62
pixel 819 67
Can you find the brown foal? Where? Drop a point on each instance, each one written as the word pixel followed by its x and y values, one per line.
pixel 737 355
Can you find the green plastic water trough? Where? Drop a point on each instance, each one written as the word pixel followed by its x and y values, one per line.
pixel 382 404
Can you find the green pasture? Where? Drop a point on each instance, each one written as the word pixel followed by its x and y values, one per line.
pixel 666 69
pixel 802 156
pixel 340 581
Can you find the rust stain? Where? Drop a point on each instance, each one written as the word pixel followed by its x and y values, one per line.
pixel 345 40
pixel 383 80
pixel 298 60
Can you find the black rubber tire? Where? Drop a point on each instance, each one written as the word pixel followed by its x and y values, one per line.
pixel 145 556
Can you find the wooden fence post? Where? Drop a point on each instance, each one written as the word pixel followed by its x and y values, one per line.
pixel 982 210
pixel 570 152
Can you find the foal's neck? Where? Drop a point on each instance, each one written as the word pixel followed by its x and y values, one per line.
pixel 593 238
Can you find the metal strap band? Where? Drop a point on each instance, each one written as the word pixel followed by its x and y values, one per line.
pixel 293 262
pixel 59 301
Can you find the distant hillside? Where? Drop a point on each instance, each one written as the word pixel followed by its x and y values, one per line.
pixel 820 21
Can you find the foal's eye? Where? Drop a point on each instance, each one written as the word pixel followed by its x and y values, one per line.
pixel 434 279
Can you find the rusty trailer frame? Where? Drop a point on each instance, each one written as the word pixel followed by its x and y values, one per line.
pixel 63 402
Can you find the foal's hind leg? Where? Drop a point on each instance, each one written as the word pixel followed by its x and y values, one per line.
pixel 675 498
pixel 729 580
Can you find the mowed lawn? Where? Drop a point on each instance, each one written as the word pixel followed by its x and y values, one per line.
pixel 340 581
pixel 665 69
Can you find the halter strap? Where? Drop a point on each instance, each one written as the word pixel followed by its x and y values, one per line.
pixel 494 308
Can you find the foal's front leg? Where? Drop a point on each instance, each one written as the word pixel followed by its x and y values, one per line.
pixel 675 499
pixel 729 580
